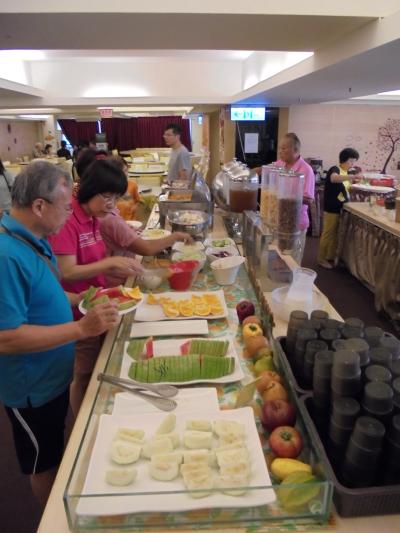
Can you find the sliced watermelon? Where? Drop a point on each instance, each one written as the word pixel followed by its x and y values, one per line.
pixel 185 347
pixel 149 348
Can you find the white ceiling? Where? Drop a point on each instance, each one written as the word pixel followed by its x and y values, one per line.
pixel 178 53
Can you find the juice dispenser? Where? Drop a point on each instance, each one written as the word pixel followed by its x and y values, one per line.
pixel 290 200
pixel 272 203
pixel 243 191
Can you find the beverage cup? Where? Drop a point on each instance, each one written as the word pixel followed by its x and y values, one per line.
pixel 346 364
pixel 380 356
pixel 392 344
pixel 339 344
pixel 373 335
pixel 329 335
pixel 345 411
pixel 377 373
pixel 331 323
pixel 368 433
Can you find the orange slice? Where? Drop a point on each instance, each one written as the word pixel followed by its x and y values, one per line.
pixel 216 309
pixel 202 309
pixel 186 310
pixel 170 312
pixel 211 299
pixel 133 293
pixel 151 299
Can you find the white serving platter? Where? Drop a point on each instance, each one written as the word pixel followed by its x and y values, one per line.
pixel 172 347
pixel 147 494
pixel 188 400
pixel 153 313
pixel 169 328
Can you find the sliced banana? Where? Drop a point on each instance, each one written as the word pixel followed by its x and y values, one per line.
pixel 232 457
pixel 173 457
pixel 199 425
pixel 173 436
pixel 197 439
pixel 163 470
pixel 130 434
pixel 222 427
pixel 206 457
pixel 124 452
pixel 198 478
pixel 226 482
pixel 231 438
pixel 156 446
pixel 167 425
pixel 121 477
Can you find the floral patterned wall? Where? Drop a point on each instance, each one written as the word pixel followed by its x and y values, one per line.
pixel 373 130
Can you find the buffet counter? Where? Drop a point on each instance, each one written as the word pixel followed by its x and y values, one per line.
pixel 99 399
pixel 369 245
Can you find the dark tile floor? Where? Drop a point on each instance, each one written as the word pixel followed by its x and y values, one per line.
pixel 19 513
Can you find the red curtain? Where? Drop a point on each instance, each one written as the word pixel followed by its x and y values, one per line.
pixel 78 131
pixel 150 131
pixel 147 132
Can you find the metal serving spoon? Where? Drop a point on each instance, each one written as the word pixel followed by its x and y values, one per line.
pixel 161 402
pixel 162 389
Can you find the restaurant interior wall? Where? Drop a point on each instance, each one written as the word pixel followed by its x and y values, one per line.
pixel 324 129
pixel 267 139
pixel 283 122
pixel 196 131
pixel 215 164
pixel 18 137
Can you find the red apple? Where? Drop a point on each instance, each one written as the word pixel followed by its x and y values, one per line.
pixel 244 308
pixel 277 413
pixel 252 319
pixel 285 441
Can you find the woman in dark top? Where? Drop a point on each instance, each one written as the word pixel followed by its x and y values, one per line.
pixel 335 195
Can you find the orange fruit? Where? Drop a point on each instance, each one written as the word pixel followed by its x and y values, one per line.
pixel 202 309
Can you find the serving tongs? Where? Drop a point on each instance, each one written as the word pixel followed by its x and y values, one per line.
pixel 163 391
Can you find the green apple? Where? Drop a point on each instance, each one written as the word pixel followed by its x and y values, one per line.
pixel 264 363
pixel 262 352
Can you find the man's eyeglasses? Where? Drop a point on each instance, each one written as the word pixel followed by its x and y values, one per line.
pixel 67 207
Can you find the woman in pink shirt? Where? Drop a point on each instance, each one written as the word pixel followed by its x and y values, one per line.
pixel 81 254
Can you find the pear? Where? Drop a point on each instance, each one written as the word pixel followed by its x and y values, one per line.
pixel 264 363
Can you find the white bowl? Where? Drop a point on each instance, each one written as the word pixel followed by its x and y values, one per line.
pixel 135 224
pixel 180 246
pixel 219 243
pixel 212 253
pixel 281 307
pixel 152 278
pixel 181 256
pixel 226 269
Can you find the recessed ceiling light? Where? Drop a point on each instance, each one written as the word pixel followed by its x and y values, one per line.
pixel 390 93
pixel 34 117
pixel 22 55
pixel 114 91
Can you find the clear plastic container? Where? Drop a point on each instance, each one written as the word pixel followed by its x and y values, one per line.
pixel 243 191
pixel 290 200
pixel 272 210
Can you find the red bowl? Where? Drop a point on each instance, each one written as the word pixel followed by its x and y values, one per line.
pixel 182 275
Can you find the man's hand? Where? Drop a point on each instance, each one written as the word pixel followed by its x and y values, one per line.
pixel 99 319
pixel 124 266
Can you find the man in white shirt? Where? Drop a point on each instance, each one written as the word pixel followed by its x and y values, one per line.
pixel 180 166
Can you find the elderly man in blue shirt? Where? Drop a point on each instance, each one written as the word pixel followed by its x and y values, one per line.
pixel 37 332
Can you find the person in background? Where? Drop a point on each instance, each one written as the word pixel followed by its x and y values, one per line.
pixel 6 182
pixel 63 151
pixel 38 150
pixel 82 259
pixel 37 333
pixel 290 158
pixel 335 195
pixel 180 166
pixel 47 149
pixel 82 144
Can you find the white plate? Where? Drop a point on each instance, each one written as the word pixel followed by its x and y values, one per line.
pixel 172 347
pixel 83 310
pixel 372 188
pixel 187 399
pixel 154 233
pixel 169 328
pixel 228 241
pixel 135 224
pixel 153 313
pixel 147 494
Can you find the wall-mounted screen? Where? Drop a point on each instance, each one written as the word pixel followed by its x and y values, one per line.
pixel 247 113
